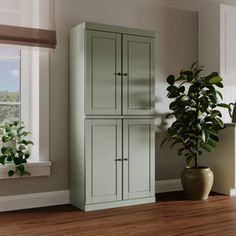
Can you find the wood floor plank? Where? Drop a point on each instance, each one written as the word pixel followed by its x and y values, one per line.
pixel 172 215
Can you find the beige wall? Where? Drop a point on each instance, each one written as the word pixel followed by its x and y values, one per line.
pixel 175 25
pixel 176 46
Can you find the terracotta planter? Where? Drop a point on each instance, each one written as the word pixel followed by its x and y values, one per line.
pixel 197 183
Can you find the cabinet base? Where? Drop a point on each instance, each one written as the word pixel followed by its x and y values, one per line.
pixel 107 205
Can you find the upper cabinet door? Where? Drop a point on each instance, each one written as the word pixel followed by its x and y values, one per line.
pixel 138 75
pixel 103 73
pixel 228 44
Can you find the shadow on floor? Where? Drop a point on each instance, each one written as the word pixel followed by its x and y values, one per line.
pixel 177 196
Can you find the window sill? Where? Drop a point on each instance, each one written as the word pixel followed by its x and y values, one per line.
pixel 41 168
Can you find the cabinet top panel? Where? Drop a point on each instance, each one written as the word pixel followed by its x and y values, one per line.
pixel 112 28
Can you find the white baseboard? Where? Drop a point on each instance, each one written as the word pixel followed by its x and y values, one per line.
pixel 170 185
pixel 34 200
pixel 26 201
pixel 232 192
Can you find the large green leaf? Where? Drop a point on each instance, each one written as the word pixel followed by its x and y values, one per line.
pixel 5 139
pixel 6 150
pixel 211 131
pixel 171 79
pixel 172 131
pixel 172 88
pixel 220 85
pixel 2 159
pixel 173 105
pixel 11 173
pixel 188 74
pixel 215 113
pixel 219 122
pixel 180 151
pixel 214 137
pixel 211 142
pixel 164 140
pixel 220 94
pixel 173 94
pixel 18 161
pixel 204 103
pixel 193 89
pixel 213 98
pixel 19 129
pixel 205 135
pixel 224 105
pixel 25 142
pixel 206 147
pixel 181 89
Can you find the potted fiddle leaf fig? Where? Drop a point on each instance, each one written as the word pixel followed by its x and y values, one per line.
pixel 195 102
pixel 14 147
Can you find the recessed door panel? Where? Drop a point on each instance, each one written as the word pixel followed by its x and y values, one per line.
pixel 103 68
pixel 103 171
pixel 138 170
pixel 138 75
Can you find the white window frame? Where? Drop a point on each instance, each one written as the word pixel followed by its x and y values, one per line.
pixel 25 88
pixel 34 111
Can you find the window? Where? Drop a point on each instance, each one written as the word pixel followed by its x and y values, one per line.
pixel 24 95
pixel 15 85
pixel 29 23
pixel 10 84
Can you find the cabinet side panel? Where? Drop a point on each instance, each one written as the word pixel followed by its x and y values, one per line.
pixel 209 39
pixel 222 161
pixel 76 119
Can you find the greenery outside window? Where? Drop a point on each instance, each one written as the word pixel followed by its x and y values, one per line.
pixel 10 84
pixel 14 85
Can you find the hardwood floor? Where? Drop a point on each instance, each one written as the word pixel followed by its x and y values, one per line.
pixel 172 215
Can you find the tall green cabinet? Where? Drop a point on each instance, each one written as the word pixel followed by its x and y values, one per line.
pixel 112 133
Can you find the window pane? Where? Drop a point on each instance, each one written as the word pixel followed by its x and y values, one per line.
pixel 9 112
pixel 9 80
pixel 9 52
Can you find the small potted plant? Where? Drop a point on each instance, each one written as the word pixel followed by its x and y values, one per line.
pixel 195 103
pixel 14 147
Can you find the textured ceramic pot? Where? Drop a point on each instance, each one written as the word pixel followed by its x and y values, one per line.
pixel 197 182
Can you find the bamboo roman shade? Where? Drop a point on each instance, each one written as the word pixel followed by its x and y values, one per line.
pixel 28 22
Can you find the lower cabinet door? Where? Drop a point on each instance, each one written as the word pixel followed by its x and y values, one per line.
pixel 138 158
pixel 103 160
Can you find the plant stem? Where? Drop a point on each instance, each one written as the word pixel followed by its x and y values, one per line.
pixel 196 161
pixel 199 132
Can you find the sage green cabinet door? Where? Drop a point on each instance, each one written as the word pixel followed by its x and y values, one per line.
pixel 103 171
pixel 138 170
pixel 103 66
pixel 138 75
